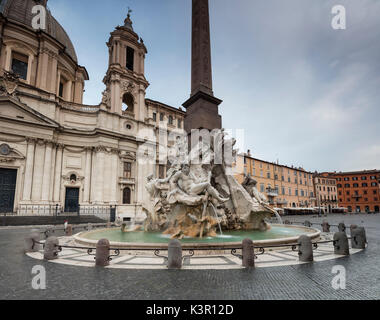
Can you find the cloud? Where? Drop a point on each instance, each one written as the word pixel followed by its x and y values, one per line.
pixel 303 92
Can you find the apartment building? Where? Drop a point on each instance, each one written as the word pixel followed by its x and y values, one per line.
pixel 285 187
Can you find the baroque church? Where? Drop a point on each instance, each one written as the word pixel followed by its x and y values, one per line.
pixel 57 154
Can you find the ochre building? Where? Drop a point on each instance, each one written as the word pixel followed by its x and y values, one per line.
pixel 285 187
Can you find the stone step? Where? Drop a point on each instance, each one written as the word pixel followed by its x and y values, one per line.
pixel 39 221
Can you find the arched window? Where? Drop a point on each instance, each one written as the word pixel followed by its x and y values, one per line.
pixel 128 103
pixel 127 196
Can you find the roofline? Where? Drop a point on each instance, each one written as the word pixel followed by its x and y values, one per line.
pixel 278 165
pixel 166 106
pixel 355 172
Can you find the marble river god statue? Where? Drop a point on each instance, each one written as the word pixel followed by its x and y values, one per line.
pixel 202 199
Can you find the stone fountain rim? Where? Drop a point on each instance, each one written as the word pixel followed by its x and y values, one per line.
pixel 79 239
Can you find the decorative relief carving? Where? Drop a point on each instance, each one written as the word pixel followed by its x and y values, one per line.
pixel 8 154
pixel 49 52
pixel 106 98
pixel 8 84
pixel 100 149
pixel 127 86
pixel 128 155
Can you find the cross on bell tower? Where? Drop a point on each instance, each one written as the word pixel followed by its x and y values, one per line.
pixel 202 107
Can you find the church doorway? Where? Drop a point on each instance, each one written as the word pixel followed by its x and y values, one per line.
pixel 8 179
pixel 72 200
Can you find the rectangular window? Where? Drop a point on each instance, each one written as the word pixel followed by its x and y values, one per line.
pixel 290 191
pixel 262 188
pixel 154 116
pixel 130 58
pixel 161 117
pixel 179 124
pixel 20 65
pixel 161 171
pixel 61 89
pixel 268 175
pixel 127 170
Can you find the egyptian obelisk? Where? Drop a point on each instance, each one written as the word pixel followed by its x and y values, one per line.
pixel 202 110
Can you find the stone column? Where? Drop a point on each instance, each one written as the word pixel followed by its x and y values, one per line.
pixel 87 176
pixel 53 83
pixel 141 108
pixel 44 69
pixel 47 172
pixel 100 153
pixel 93 176
pixel 114 176
pixel 28 177
pixel 58 174
pixel 52 176
pixel 38 171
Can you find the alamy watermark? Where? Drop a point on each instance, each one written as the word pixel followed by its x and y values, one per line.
pixel 39 17
pixel 339 281
pixel 39 279
pixel 339 20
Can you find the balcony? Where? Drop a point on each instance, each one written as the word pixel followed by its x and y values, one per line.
pixel 127 181
pixel 272 192
pixel 282 202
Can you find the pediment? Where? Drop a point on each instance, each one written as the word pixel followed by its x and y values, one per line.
pixel 8 154
pixel 12 109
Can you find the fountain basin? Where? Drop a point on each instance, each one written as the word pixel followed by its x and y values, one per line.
pixel 278 235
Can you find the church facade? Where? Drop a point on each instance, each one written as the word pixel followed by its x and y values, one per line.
pixel 57 154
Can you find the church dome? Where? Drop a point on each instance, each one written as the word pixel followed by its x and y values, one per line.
pixel 20 11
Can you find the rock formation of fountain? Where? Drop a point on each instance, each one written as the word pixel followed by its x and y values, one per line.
pixel 200 199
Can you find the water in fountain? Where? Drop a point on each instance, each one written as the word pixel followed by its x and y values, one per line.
pixel 217 219
pixel 278 217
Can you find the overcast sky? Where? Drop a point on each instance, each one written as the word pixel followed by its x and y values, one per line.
pixel 304 93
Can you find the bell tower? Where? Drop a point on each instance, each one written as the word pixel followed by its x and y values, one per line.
pixel 125 80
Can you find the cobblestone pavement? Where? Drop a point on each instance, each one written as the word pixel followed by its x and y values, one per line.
pixel 307 281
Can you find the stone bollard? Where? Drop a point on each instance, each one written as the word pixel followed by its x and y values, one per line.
pixel 341 245
pixel 51 249
pixel 175 255
pixel 307 224
pixel 102 257
pixel 89 227
pixel 352 227
pixel 342 227
pixel 305 249
pixel 248 254
pixel 29 241
pixel 358 238
pixel 48 232
pixel 326 227
pixel 69 230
